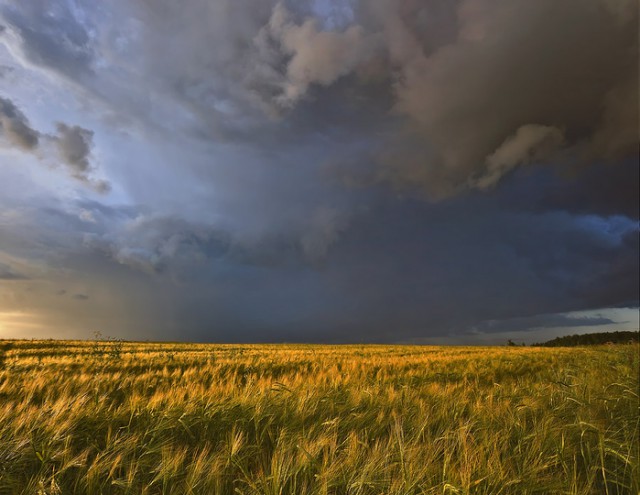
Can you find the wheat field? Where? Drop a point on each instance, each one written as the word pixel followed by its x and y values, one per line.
pixel 109 417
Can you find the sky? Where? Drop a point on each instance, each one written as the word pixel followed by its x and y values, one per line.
pixel 418 171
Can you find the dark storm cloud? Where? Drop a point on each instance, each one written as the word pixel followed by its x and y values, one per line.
pixel 156 244
pixel 15 128
pixel 430 270
pixel 540 321
pixel 616 284
pixel 523 81
pixel 379 170
pixel 467 90
pixel 72 143
pixel 74 146
pixel 462 106
pixel 427 271
pixel 151 244
pixel 602 189
pixel 405 270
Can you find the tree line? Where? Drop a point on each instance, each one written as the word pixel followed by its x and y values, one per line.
pixel 592 339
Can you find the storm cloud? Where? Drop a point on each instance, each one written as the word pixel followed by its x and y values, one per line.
pixel 15 128
pixel 74 146
pixel 322 170
pixel 71 145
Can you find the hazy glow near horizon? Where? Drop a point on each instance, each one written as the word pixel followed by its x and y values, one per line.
pixel 15 324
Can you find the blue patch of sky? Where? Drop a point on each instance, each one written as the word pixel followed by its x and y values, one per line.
pixel 334 15
pixel 610 228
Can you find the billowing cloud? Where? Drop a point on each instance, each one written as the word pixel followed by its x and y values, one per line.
pixel 157 244
pixel 457 86
pixel 314 170
pixel 513 65
pixel 152 244
pixel 71 144
pixel 74 146
pixel 316 56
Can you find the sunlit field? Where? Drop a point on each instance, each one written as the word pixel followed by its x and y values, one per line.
pixel 145 418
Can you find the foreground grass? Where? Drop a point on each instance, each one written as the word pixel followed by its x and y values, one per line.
pixel 139 418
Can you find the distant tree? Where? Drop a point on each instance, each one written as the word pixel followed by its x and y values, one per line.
pixel 592 339
pixel 511 343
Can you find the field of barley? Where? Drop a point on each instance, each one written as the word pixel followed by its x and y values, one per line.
pixel 113 417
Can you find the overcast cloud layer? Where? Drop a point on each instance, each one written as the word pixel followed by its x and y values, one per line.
pixel 382 170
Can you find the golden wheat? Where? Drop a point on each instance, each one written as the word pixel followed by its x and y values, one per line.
pixel 148 418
